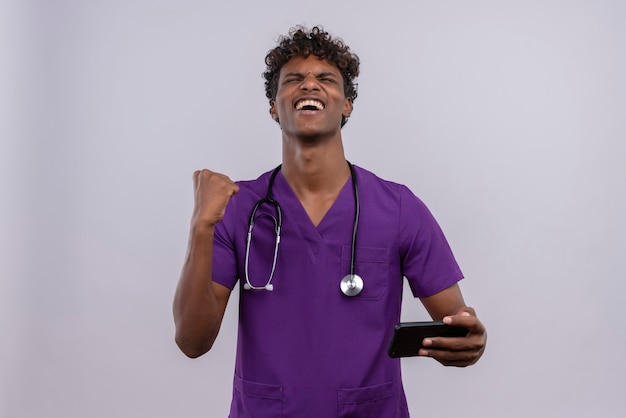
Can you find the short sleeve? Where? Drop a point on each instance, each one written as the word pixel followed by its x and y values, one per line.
pixel 224 247
pixel 427 260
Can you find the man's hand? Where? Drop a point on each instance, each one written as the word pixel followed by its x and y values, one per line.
pixel 458 351
pixel 199 303
pixel 212 191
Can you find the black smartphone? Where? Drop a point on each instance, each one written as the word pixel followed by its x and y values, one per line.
pixel 408 336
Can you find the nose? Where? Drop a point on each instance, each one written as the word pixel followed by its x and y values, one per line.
pixel 309 82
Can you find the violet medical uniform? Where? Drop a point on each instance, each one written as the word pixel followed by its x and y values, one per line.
pixel 305 349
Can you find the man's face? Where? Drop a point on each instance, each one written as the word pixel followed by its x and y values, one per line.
pixel 310 100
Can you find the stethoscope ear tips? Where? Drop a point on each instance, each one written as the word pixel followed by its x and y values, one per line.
pixel 269 287
pixel 246 286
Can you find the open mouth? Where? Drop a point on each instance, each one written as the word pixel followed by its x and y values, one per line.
pixel 309 104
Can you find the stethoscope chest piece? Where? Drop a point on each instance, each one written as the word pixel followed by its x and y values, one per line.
pixel 351 285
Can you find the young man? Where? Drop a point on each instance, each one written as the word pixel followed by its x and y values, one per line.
pixel 317 306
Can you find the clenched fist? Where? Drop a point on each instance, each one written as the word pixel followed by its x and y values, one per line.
pixel 212 191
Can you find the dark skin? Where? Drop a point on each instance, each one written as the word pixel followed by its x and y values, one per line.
pixel 314 165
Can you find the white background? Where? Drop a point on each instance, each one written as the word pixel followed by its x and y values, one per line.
pixel 506 117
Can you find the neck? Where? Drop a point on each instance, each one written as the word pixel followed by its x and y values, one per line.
pixel 311 168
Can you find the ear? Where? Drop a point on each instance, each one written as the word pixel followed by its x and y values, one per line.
pixel 347 108
pixel 273 112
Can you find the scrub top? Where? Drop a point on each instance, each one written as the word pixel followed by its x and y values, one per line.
pixel 305 349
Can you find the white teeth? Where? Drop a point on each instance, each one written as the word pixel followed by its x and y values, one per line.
pixel 302 103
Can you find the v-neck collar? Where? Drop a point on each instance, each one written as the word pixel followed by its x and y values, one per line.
pixel 339 212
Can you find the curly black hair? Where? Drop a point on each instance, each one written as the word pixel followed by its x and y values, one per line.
pixel 304 42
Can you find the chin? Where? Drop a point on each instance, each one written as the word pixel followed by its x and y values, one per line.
pixel 312 133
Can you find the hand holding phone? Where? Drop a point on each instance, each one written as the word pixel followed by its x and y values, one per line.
pixel 408 336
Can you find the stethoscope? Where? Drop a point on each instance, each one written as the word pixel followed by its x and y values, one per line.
pixel 350 285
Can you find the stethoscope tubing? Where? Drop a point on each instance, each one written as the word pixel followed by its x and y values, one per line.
pixel 357 212
pixel 350 285
pixel 278 223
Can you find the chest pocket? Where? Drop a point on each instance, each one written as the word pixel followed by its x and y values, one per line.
pixel 372 264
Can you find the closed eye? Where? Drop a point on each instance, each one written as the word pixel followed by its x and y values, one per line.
pixel 324 77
